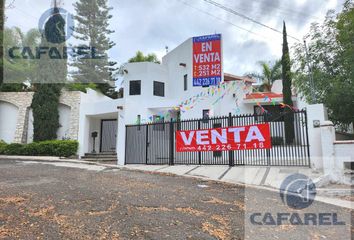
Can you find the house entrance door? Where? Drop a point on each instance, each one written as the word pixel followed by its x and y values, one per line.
pixel 108 135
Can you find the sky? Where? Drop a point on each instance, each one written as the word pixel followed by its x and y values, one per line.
pixel 151 25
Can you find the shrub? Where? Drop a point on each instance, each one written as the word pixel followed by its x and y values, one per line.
pixel 2 146
pixel 59 148
pixel 14 149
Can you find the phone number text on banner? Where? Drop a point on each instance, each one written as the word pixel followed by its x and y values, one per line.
pixel 224 139
pixel 207 69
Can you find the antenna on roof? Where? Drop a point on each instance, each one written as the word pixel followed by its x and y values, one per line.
pixel 57 3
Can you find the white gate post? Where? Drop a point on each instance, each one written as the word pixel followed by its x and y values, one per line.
pixel 328 136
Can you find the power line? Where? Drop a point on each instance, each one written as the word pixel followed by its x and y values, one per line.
pixel 261 9
pixel 269 5
pixel 221 19
pixel 244 16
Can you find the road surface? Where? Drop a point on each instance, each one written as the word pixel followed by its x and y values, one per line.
pixel 78 201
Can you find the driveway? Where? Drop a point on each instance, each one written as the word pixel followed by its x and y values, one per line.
pixel 78 201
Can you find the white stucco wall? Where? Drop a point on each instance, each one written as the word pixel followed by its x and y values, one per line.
pixel 344 151
pixel 172 74
pixel 8 121
pixel 121 138
pixel 335 154
pixel 94 107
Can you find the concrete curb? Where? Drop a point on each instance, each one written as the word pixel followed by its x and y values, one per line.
pixel 333 201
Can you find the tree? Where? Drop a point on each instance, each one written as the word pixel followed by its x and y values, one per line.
pixel 19 71
pixel 93 31
pixel 52 74
pixel 270 73
pixel 287 94
pixel 140 57
pixel 331 59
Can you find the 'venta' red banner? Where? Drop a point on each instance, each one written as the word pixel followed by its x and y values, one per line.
pixel 224 139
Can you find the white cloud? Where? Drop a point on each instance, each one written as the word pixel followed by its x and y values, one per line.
pixel 150 25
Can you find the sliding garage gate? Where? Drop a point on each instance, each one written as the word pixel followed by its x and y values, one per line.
pixel 155 143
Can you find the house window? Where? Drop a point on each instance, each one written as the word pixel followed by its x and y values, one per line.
pixel 269 113
pixel 135 87
pixel 158 123
pixel 159 89
pixel 206 113
pixel 185 82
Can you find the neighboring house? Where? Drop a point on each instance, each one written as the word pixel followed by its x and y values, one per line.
pixel 79 115
pixel 16 119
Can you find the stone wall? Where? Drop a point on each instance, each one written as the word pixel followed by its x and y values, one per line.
pixel 23 101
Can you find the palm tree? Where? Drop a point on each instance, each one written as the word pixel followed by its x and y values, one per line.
pixel 270 72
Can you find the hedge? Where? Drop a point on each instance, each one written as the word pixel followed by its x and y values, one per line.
pixel 59 148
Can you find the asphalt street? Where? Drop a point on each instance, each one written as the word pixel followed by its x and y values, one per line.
pixel 78 201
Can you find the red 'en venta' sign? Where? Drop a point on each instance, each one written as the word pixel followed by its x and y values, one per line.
pixel 207 60
pixel 224 139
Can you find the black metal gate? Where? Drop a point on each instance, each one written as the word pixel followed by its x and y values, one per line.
pixel 155 143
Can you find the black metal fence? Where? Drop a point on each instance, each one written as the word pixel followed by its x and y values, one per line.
pixel 154 143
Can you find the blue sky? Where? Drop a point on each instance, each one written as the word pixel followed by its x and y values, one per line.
pixel 151 25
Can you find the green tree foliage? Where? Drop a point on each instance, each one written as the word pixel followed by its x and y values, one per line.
pixel 331 58
pixel 52 74
pixel 45 112
pixel 19 71
pixel 140 57
pixel 287 95
pixel 92 30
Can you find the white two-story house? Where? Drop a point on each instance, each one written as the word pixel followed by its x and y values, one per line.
pixel 152 92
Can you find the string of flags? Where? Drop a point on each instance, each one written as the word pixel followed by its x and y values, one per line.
pixel 221 90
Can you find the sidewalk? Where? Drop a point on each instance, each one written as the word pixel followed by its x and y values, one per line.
pixel 258 176
pixel 268 178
